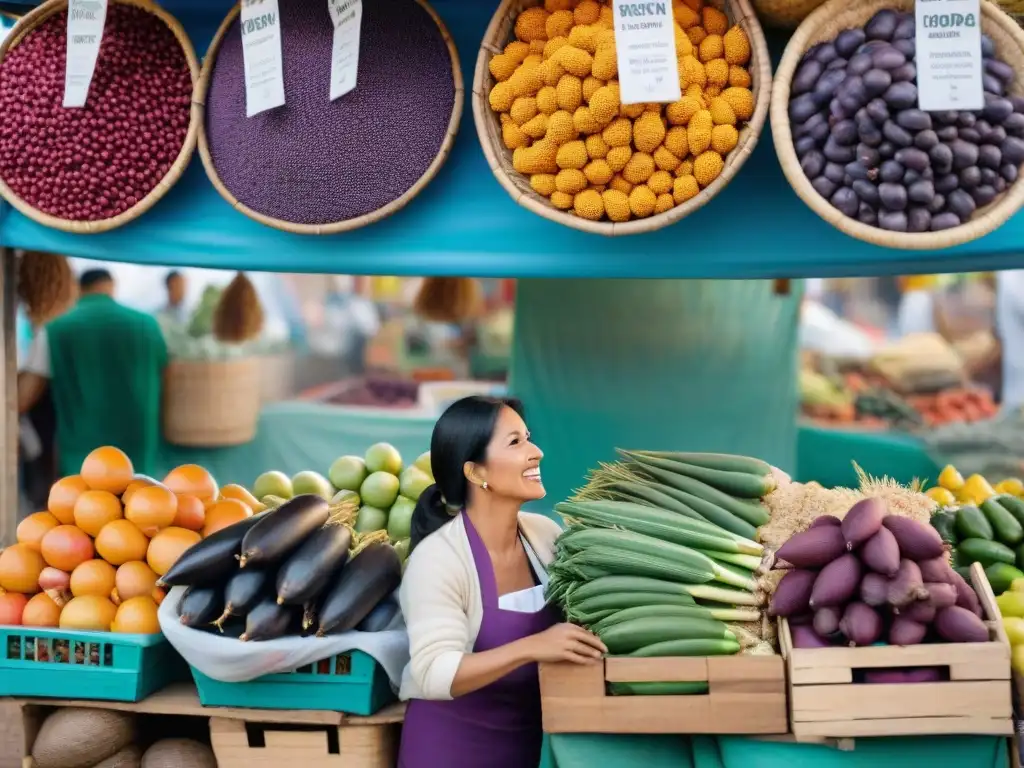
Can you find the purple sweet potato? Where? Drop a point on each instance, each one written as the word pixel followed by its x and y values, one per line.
pixel 917 541
pixel 792 595
pixel 813 548
pixel 959 625
pixel 800 618
pixel 940 595
pixel 805 637
pixel 825 520
pixel 921 611
pixel 826 620
pixel 906 631
pixel 965 595
pixel 905 675
pixel 863 521
pixel 881 553
pixel 837 582
pixel 861 624
pixel 874 589
pixel 936 570
pixel 906 586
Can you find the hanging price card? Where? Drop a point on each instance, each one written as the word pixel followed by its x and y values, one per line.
pixel 347 17
pixel 261 53
pixel 85 33
pixel 646 50
pixel 948 41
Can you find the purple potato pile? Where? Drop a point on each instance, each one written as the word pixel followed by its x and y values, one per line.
pixel 876 157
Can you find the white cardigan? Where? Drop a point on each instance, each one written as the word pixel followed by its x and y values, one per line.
pixel 442 603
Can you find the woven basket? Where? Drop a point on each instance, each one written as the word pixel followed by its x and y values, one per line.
pixel 823 25
pixel 785 14
pixel 29 22
pixel 349 224
pixel 212 403
pixel 488 124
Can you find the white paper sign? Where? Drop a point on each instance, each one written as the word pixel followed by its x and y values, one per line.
pixel 85 33
pixel 261 52
pixel 949 55
pixel 645 45
pixel 347 17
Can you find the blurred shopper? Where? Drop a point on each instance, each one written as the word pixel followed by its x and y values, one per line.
pixel 1010 332
pixel 103 365
pixel 174 311
pixel 917 306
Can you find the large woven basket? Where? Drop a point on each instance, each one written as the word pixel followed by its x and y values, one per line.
pixel 212 403
pixel 349 224
pixel 823 25
pixel 488 123
pixel 33 19
pixel 784 14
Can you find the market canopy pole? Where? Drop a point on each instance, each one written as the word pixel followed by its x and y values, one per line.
pixel 9 382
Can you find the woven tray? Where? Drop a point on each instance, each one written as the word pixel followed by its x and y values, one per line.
pixel 29 22
pixel 822 25
pixel 488 124
pixel 349 224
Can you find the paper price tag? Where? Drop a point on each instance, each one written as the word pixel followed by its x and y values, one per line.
pixel 86 19
pixel 261 53
pixel 948 41
pixel 645 46
pixel 347 17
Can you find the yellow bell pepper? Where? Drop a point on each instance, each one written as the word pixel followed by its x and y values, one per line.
pixel 976 490
pixel 950 478
pixel 1017 659
pixel 1011 485
pixel 1014 627
pixel 941 496
pixel 1017 585
pixel 1011 604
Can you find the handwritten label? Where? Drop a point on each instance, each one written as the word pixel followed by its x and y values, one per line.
pixel 347 17
pixel 261 52
pixel 646 50
pixel 948 57
pixel 86 19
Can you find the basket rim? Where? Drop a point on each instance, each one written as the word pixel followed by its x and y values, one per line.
pixel 358 222
pixel 494 41
pixel 995 214
pixel 29 22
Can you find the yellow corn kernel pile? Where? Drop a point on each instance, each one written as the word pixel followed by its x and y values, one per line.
pixel 557 93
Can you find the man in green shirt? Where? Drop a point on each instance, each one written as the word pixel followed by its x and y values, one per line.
pixel 104 365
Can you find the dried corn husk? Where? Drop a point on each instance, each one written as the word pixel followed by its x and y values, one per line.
pixel 449 299
pixel 177 753
pixel 74 737
pixel 46 285
pixel 239 314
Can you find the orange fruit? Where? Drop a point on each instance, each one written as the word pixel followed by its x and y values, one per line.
pixel 191 513
pixel 94 509
pixel 93 577
pixel 31 530
pixel 89 613
pixel 137 616
pixel 66 547
pixel 167 546
pixel 120 542
pixel 221 514
pixel 193 480
pixel 63 495
pixel 108 469
pixel 239 493
pixel 134 579
pixel 41 611
pixel 20 566
pixel 152 508
pixel 134 485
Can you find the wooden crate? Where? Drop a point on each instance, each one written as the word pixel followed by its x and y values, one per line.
pixel 747 694
pixel 825 701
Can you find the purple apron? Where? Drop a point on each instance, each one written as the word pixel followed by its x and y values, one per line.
pixel 498 726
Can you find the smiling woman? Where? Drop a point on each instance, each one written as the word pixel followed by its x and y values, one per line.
pixel 473 597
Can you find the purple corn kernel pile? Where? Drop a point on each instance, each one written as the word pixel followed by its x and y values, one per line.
pixel 95 162
pixel 317 161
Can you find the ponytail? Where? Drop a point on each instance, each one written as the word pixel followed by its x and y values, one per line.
pixel 431 514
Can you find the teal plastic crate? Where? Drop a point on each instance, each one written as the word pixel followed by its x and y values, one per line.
pixel 101 666
pixel 349 682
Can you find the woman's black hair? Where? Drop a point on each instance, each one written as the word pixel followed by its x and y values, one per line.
pixel 460 435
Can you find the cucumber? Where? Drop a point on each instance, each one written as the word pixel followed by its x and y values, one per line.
pixel 945 524
pixel 972 524
pixel 657 689
pixel 711 512
pixel 630 636
pixel 596 588
pixel 1001 576
pixel 1013 505
pixel 1004 525
pixel 620 601
pixel 702 647
pixel 743 485
pixel 726 462
pixel 1019 552
pixel 983 551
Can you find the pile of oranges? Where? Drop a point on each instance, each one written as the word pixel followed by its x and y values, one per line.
pixel 91 561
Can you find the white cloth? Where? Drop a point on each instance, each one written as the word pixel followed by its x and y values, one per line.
pixel 442 603
pixel 37 360
pixel 916 313
pixel 1010 328
pixel 531 599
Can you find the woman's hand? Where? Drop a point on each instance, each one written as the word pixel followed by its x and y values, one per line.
pixel 565 642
